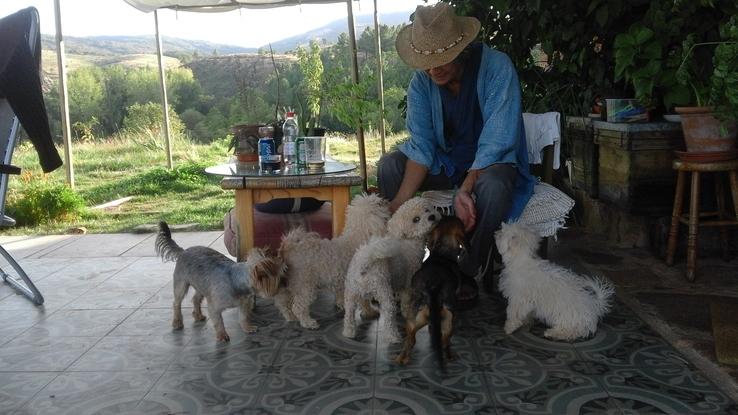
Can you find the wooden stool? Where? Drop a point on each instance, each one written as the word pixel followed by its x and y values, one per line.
pixel 692 219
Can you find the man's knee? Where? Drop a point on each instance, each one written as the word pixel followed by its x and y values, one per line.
pixel 496 181
pixel 391 164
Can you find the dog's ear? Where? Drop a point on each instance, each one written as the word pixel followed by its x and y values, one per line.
pixel 266 275
pixel 435 238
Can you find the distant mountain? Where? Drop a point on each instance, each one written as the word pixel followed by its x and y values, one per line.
pixel 328 34
pixel 136 45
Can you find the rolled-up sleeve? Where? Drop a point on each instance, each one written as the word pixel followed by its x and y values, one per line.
pixel 501 109
pixel 420 147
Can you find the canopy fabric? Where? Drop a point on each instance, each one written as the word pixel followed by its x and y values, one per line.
pixel 219 5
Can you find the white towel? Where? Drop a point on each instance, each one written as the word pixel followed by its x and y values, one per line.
pixel 542 130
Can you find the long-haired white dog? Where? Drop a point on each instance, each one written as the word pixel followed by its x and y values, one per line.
pixel 569 303
pixel 382 269
pixel 315 263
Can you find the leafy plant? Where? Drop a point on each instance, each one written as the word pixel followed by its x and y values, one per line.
pixel 311 67
pixel 43 201
pixel 713 82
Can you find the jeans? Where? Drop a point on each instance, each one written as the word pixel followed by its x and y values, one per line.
pixel 493 191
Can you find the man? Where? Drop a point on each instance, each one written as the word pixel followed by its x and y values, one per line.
pixel 466 131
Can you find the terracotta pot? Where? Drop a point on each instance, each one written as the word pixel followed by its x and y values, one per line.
pixel 703 132
pixel 248 141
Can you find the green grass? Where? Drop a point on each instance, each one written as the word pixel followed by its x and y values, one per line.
pixel 117 168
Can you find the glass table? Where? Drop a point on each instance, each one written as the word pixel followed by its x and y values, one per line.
pixel 253 170
pixel 252 185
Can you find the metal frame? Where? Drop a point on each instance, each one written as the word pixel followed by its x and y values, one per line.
pixel 8 135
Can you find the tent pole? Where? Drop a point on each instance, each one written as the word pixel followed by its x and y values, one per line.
pixel 355 73
pixel 380 76
pixel 63 97
pixel 162 78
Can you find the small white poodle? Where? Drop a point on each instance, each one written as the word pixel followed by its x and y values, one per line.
pixel 315 263
pixel 382 269
pixel 569 303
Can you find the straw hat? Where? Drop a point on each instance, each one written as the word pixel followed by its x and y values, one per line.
pixel 436 36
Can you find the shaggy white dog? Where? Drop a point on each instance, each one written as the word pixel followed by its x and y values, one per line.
pixel 315 263
pixel 383 268
pixel 570 304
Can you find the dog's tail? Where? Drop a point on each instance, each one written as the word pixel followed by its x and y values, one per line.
pixel 603 291
pixel 434 320
pixel 165 246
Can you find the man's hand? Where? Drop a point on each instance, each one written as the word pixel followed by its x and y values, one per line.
pixel 465 210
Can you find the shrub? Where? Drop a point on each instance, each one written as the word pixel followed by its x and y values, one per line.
pixel 41 201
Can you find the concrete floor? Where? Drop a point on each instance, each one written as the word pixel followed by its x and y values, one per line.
pixel 102 343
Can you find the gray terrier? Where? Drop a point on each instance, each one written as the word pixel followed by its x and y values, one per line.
pixel 221 281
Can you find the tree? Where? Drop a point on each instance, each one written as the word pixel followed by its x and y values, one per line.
pixel 311 67
pixel 85 96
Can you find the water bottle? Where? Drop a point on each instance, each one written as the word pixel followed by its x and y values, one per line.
pixel 268 156
pixel 289 138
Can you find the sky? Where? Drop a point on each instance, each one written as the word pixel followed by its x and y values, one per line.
pixel 246 27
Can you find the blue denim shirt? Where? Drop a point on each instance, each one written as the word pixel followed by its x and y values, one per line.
pixel 502 139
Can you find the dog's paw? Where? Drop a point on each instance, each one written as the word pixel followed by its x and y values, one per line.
pixel 248 328
pixel 222 337
pixel 198 316
pixel 402 359
pixel 310 324
pixel 554 334
pixel 510 327
pixel 177 325
pixel 349 333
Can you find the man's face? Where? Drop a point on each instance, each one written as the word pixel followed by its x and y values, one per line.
pixel 442 75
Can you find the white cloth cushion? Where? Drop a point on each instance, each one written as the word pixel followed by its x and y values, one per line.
pixel 545 213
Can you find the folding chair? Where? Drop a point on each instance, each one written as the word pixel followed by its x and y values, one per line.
pixel 16 30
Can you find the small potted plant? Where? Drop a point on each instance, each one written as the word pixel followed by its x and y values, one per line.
pixel 710 125
pixel 245 142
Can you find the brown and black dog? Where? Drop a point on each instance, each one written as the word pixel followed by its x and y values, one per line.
pixel 433 291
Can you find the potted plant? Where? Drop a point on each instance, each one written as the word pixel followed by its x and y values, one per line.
pixel 245 142
pixel 710 70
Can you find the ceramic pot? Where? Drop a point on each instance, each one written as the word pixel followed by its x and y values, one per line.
pixel 703 132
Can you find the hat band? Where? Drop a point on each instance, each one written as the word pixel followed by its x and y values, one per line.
pixel 439 50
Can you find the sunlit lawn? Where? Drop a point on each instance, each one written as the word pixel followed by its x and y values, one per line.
pixel 114 169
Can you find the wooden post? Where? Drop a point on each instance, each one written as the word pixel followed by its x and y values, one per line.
pixel 380 76
pixel 355 73
pixel 165 102
pixel 63 97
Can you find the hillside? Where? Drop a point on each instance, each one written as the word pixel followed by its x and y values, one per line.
pixel 137 45
pixel 222 75
pixel 328 34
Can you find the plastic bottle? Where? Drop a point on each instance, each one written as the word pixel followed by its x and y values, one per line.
pixel 289 139
pixel 268 157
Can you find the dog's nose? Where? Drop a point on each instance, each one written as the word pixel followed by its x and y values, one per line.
pixel 432 218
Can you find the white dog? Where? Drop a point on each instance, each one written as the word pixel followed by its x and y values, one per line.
pixel 315 263
pixel 570 304
pixel 383 268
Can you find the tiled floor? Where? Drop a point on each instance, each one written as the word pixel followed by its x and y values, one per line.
pixel 102 343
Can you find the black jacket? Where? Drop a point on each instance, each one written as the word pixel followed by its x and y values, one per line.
pixel 20 83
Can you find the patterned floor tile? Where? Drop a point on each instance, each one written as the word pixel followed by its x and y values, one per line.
pixel 458 390
pixel 250 353
pixel 42 354
pixel 111 299
pixel 221 391
pixel 79 323
pixel 92 393
pixel 18 387
pixel 131 353
pixel 301 387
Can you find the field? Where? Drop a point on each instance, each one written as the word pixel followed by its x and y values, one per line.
pixel 119 168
